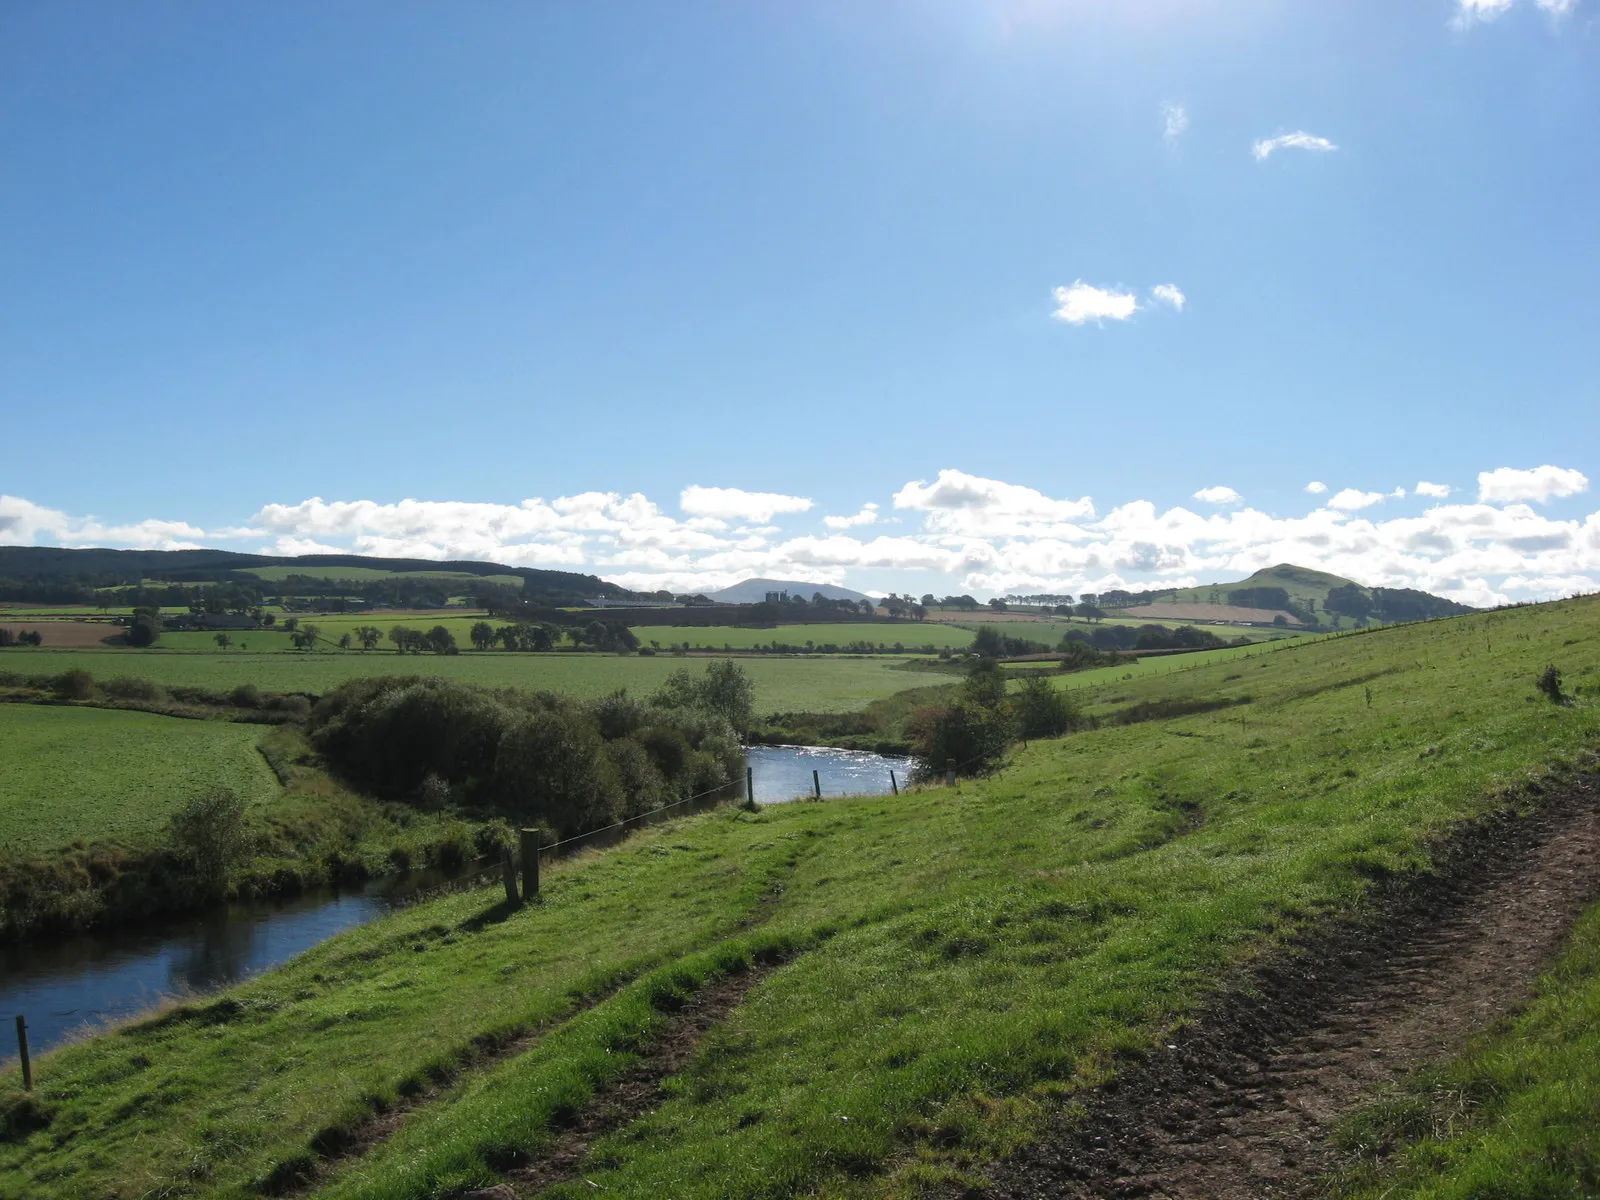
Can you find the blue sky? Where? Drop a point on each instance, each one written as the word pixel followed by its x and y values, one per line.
pixel 655 290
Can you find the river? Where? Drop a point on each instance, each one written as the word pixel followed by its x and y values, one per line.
pixel 64 984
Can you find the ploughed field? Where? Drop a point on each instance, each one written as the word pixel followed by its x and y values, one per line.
pixel 862 997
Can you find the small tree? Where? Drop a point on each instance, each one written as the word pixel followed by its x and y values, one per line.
pixel 483 635
pixel 209 833
pixel 441 640
pixel 1043 711
pixel 344 641
pixel 369 636
pixel 223 640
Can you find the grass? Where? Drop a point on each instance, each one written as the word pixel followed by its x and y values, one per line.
pixel 1050 630
pixel 964 955
pixel 88 774
pixel 729 637
pixel 1513 1117
pixel 832 684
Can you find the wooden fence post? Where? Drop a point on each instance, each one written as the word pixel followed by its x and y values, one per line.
pixel 22 1050
pixel 816 784
pixel 530 863
pixel 508 872
pixel 750 788
pixel 893 783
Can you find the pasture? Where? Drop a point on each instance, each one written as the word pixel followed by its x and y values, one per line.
pixel 944 968
pixel 94 774
pixel 835 683
pixel 911 635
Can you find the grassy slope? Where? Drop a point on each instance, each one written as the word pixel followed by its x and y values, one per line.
pixel 782 684
pixel 961 948
pixel 83 773
pixel 1301 583
pixel 1514 1117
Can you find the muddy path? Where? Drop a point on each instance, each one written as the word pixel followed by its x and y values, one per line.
pixel 637 1090
pixel 1239 1106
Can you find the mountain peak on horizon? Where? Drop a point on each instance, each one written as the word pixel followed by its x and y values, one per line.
pixel 754 591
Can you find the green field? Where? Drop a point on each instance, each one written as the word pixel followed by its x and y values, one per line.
pixel 91 774
pixel 964 959
pixel 912 635
pixel 834 683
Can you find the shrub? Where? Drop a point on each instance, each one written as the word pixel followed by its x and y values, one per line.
pixel 1043 711
pixel 246 695
pixel 967 738
pixel 126 687
pixel 1549 685
pixel 209 833
pixel 76 684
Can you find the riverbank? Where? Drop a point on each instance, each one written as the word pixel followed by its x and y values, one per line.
pixel 931 974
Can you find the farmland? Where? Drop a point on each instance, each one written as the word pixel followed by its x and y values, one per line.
pixel 365 574
pixel 92 774
pixel 914 635
pixel 833 684
pixel 919 983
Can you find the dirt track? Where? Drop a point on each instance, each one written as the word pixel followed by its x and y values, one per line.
pixel 1238 1108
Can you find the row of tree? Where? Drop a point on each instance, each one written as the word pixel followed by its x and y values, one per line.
pixel 22 637
pixel 537 758
pixel 970 734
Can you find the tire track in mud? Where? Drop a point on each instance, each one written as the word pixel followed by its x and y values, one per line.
pixel 333 1149
pixel 1238 1106
pixel 637 1090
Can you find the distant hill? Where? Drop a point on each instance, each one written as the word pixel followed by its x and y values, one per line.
pixel 1302 595
pixel 754 591
pixel 111 568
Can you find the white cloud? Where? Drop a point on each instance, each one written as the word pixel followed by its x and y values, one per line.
pixel 961 532
pixel 1470 12
pixel 1352 499
pixel 1316 487
pixel 1168 293
pixel 1219 495
pixel 1541 484
pixel 1174 120
pixel 1559 8
pixel 735 504
pixel 1082 302
pixel 867 516
pixel 1436 491
pixel 1299 140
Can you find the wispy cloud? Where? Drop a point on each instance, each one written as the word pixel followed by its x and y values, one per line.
pixel 1299 140
pixel 1435 491
pixel 1316 487
pixel 1541 484
pixel 1479 12
pixel 1083 302
pixel 1169 293
pixel 1219 495
pixel 1174 120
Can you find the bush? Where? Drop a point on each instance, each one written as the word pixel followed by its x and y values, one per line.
pixel 126 687
pixel 967 738
pixel 1549 685
pixel 246 695
pixel 209 833
pixel 1043 711
pixel 76 684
